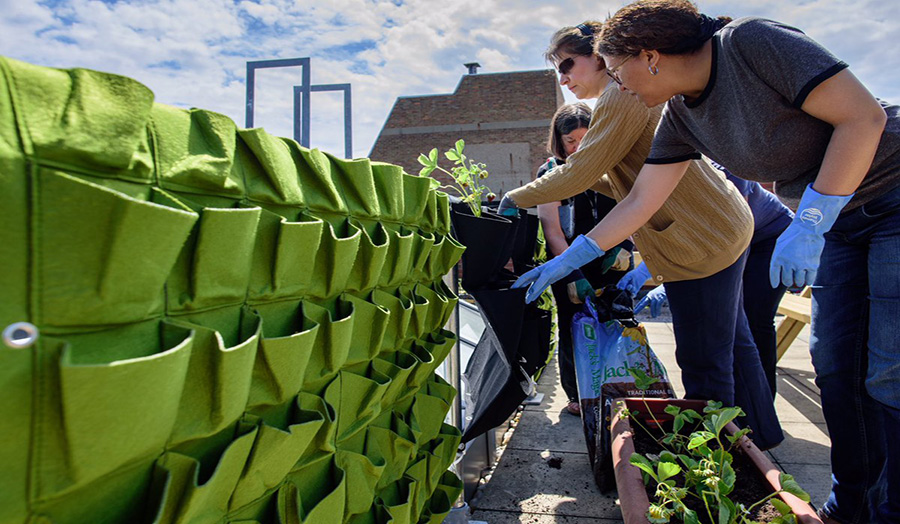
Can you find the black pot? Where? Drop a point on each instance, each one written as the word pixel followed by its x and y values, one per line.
pixel 489 241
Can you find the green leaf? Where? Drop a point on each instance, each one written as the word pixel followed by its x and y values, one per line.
pixel 690 517
pixel 673 410
pixel 668 456
pixel 726 511
pixel 425 171
pixel 435 184
pixel 690 414
pixel 432 156
pixel 460 144
pixel 452 155
pixel 790 485
pixel 712 405
pixel 722 419
pixel 639 461
pixel 641 380
pixel 667 469
pixel 424 160
pixel 678 423
pixel 728 479
pixel 780 505
pixel 700 438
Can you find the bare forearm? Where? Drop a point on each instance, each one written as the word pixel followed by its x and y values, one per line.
pixel 849 156
pixel 553 234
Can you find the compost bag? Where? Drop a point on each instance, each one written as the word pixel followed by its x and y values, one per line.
pixel 608 342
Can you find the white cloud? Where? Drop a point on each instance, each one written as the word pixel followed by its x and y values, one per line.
pixel 194 52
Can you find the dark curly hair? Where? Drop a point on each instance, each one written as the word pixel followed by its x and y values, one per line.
pixel 575 40
pixel 672 27
pixel 567 118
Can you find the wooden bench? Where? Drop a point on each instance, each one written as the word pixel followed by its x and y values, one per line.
pixel 797 311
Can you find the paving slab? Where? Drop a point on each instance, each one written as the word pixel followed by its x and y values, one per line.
pixel 549 430
pixel 804 443
pixel 511 517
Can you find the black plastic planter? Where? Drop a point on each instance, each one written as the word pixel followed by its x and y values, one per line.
pixel 489 241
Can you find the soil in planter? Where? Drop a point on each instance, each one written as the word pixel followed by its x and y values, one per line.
pixel 750 487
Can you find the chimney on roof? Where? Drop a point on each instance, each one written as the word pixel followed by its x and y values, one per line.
pixel 473 67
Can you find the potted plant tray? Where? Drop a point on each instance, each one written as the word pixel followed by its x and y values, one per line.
pixel 632 493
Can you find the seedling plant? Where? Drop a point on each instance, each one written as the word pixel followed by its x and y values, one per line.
pixel 466 174
pixel 703 455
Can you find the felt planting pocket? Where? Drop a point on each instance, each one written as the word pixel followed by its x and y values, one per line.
pixel 440 453
pixel 289 338
pixel 323 442
pixel 335 258
pixel 439 344
pixel 397 263
pixel 195 151
pixel 108 252
pixel 388 437
pixel 429 219
pixel 437 507
pixel 451 485
pixel 388 180
pixel 16 376
pixel 400 309
pixel 284 256
pixel 355 183
pixel 270 167
pixel 441 288
pixel 198 488
pixel 374 245
pixel 362 474
pixel 84 431
pixel 426 415
pixel 424 367
pixel 314 494
pixel 415 198
pixel 279 446
pixel 420 311
pixel 424 241
pixel 442 223
pixel 214 266
pixel 356 399
pixel 397 366
pixel 399 499
pixel 376 514
pixel 218 379
pixel 443 256
pixel 83 118
pixel 370 322
pixel 436 307
pixel 332 346
pixel 417 471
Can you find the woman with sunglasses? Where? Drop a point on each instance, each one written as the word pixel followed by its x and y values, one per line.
pixel 695 242
pixel 770 104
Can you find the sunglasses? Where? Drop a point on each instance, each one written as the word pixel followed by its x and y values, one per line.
pixel 565 66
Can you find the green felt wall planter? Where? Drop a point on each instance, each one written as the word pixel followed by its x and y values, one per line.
pixel 442 225
pixel 423 369
pixel 83 431
pixel 334 260
pixel 111 258
pixel 443 256
pixel 397 366
pixel 370 258
pixel 314 494
pixel 437 305
pixel 439 344
pixel 430 219
pixel 451 485
pixel 356 400
pixel 418 472
pixel 362 474
pixel 388 182
pixel 400 309
pixel 437 507
pixel 355 183
pixel 421 306
pixel 399 258
pixel 269 167
pixel 16 378
pixel 390 439
pixel 323 442
pixel 331 348
pixel 415 198
pixel 399 499
pixel 370 323
pixel 284 256
pixel 422 245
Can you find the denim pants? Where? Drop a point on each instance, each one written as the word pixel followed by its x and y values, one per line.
pixel 855 347
pixel 715 349
pixel 761 304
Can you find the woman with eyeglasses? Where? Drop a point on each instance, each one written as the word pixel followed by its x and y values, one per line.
pixel 770 104
pixel 695 242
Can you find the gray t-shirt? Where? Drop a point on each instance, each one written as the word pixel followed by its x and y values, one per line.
pixel 749 120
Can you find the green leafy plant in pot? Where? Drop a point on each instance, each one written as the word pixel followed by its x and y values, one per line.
pixel 467 176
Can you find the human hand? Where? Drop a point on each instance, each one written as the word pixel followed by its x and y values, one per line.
pixel 634 280
pixel 507 206
pixel 582 251
pixel 795 259
pixel 655 299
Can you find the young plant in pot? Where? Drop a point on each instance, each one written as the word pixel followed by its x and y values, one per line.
pixel 698 466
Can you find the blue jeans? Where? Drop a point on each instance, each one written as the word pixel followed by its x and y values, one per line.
pixel 761 304
pixel 715 349
pixel 855 347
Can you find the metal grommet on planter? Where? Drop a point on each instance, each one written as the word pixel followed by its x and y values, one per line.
pixel 20 335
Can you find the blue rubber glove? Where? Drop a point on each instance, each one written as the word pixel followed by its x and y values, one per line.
pixel 655 299
pixel 795 259
pixel 507 207
pixel 582 251
pixel 634 280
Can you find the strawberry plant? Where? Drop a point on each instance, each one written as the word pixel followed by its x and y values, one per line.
pixel 466 174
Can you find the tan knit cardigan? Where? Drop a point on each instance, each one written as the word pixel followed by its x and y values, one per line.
pixel 702 228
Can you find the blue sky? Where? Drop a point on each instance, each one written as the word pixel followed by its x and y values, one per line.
pixel 193 53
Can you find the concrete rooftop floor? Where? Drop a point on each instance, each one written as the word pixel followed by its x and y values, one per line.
pixel 525 488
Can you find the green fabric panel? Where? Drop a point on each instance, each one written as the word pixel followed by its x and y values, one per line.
pixel 195 151
pixel 441 453
pixel 415 197
pixel 332 346
pixel 419 314
pixel 16 377
pixel 388 180
pixel 376 514
pixel 82 431
pixel 426 416
pixel 111 257
pixel 269 168
pixel 397 366
pixel 436 509
pixel 439 344
pixel 373 250
pixel 429 219
pixel 84 119
pixel 399 499
pixel 442 225
pixel 451 485
pixel 283 354
pixel 423 369
pixel 397 262
pixel 356 400
pixel 191 495
pixel 314 494
pixel 422 244
pixel 334 259
pixel 323 442
pixel 441 288
pixel 275 453
pixel 355 183
pixel 400 310
pixel 370 322
pixel 362 475
pixel 443 256
pixel 284 256
pixel 418 472
pixel 319 189
pixel 436 307
pixel 214 266
pixel 218 381
pixel 390 439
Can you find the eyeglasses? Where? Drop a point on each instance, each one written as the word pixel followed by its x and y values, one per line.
pixel 613 72
pixel 566 65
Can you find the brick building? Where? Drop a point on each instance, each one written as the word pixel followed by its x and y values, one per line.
pixel 503 117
